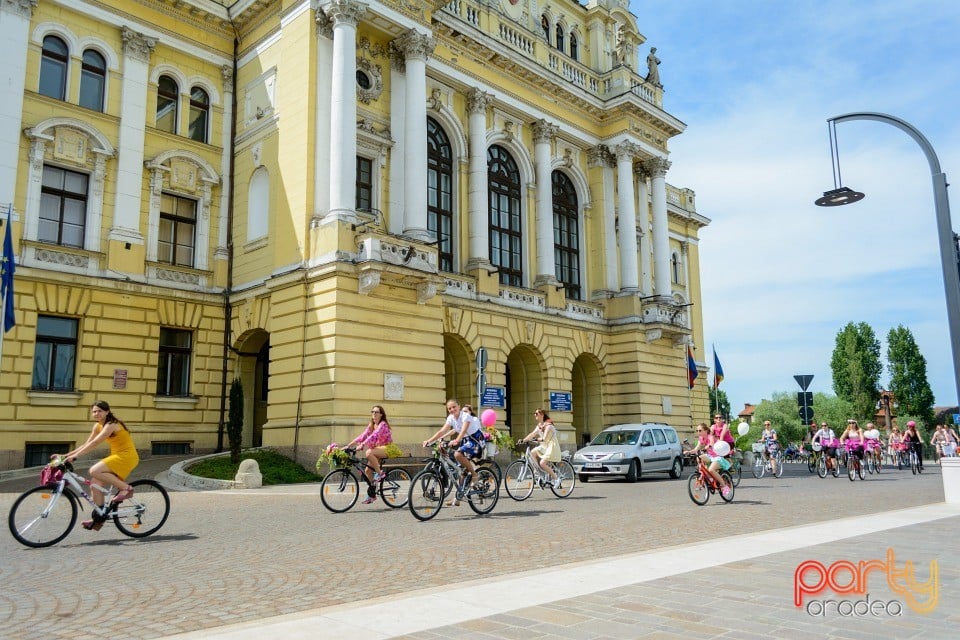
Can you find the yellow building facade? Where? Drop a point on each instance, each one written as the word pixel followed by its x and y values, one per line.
pixel 340 204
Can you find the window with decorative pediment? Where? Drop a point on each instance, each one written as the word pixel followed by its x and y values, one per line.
pixel 506 235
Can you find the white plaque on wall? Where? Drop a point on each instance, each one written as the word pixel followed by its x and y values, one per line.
pixel 667 405
pixel 392 386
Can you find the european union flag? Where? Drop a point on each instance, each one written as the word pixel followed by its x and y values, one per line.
pixel 7 267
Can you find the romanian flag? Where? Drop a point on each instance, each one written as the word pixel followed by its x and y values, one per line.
pixel 691 367
pixel 717 371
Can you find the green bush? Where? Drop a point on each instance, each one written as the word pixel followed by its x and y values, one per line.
pixel 274 467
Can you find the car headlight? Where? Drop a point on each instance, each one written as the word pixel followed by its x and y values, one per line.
pixel 578 458
pixel 616 456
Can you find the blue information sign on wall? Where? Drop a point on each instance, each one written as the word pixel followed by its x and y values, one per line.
pixel 493 397
pixel 561 401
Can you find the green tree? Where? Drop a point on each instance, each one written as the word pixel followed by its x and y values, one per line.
pixel 908 374
pixel 718 397
pixel 783 414
pixel 235 423
pixel 856 368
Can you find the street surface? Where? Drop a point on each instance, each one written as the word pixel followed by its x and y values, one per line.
pixel 234 556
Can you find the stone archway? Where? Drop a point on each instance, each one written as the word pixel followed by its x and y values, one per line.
pixel 587 386
pixel 458 372
pixel 525 389
pixel 253 369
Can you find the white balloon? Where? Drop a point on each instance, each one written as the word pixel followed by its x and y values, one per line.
pixel 721 448
pixel 743 428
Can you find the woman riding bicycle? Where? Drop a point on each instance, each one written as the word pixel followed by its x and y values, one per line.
pixel 852 438
pixel 825 437
pixel 713 462
pixel 771 445
pixel 374 441
pixel 914 442
pixel 549 449
pixel 112 470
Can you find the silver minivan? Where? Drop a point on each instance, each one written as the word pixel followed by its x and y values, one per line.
pixel 630 450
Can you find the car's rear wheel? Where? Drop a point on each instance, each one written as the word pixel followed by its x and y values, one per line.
pixel 633 472
pixel 677 469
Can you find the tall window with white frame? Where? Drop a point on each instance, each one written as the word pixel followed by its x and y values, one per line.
pixel 506 237
pixel 566 234
pixel 178 225
pixel 54 59
pixel 364 184
pixel 168 96
pixel 173 371
pixel 63 207
pixel 199 114
pixel 440 192
pixel 560 37
pixel 55 354
pixel 93 80
pixel 574 46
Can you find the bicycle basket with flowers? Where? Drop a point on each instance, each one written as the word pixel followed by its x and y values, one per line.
pixel 334 457
pixel 501 440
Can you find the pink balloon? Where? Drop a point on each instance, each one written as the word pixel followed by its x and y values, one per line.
pixel 488 418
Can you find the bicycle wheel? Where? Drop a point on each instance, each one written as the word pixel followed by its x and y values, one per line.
pixel 568 479
pixel 426 495
pixel 836 468
pixel 339 490
pixel 779 463
pixel 852 468
pixel 868 463
pixel 483 496
pixel 822 467
pixel 812 463
pixel 878 463
pixel 698 489
pixel 491 464
pixel 42 517
pixel 859 465
pixel 726 476
pixel 395 488
pixel 759 466
pixel 736 472
pixel 143 513
pixel 914 467
pixel 518 480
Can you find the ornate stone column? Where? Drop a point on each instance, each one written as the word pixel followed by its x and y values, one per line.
pixel 415 48
pixel 643 224
pixel 661 240
pixel 627 231
pixel 133 123
pixel 477 103
pixel 14 36
pixel 543 134
pixel 600 156
pixel 346 15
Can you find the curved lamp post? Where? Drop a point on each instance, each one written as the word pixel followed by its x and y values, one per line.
pixel 948 254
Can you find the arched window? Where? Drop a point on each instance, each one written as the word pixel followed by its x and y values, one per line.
pixel 93 80
pixel 53 68
pixel 545 26
pixel 560 37
pixel 199 114
pixel 566 234
pixel 258 205
pixel 674 268
pixel 506 240
pixel 440 191
pixel 574 47
pixel 168 94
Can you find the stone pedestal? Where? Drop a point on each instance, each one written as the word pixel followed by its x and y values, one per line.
pixel 950 470
pixel 248 475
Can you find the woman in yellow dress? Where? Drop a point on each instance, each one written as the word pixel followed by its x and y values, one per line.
pixel 112 470
pixel 549 449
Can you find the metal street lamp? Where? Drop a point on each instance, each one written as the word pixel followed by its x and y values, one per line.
pixel 948 248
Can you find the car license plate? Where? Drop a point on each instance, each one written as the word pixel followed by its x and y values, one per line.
pixel 593 465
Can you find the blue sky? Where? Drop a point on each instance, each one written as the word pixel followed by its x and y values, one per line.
pixel 755 82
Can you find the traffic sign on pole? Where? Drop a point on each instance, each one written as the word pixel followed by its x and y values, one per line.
pixel 803 380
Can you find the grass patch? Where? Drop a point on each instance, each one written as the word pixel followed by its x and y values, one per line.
pixel 275 468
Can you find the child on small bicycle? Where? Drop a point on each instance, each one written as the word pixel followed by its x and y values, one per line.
pixel 714 463
pixel 112 470
pixel 549 448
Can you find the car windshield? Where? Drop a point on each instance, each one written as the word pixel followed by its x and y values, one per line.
pixel 617 437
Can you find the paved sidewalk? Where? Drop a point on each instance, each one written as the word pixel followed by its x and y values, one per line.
pixel 738 586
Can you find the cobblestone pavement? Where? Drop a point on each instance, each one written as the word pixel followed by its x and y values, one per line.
pixel 239 556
